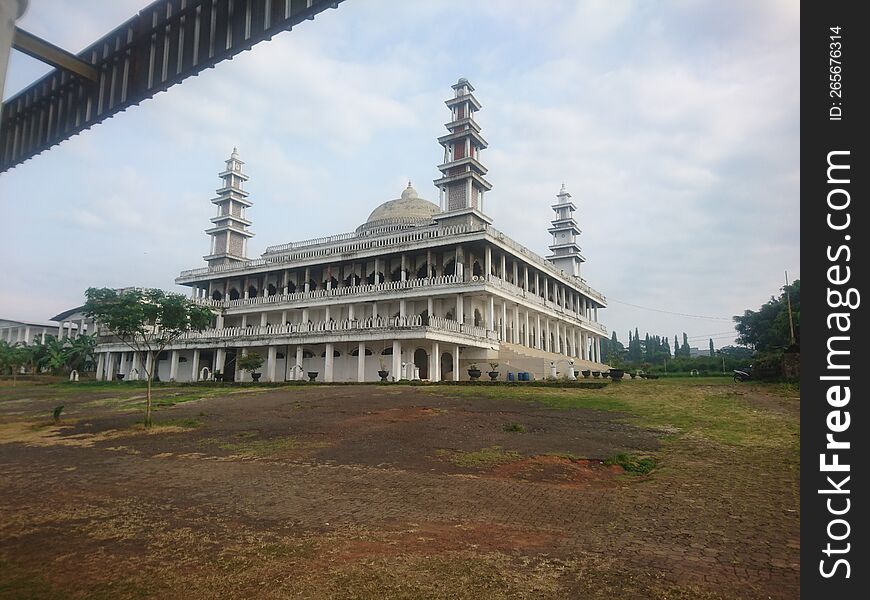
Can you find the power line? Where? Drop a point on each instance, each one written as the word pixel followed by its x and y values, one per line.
pixel 668 312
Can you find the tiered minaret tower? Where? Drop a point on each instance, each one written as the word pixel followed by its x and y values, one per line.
pixel 229 236
pixel 462 185
pixel 565 250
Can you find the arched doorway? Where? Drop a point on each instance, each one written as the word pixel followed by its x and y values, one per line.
pixel 421 361
pixel 216 295
pixel 446 365
pixel 234 294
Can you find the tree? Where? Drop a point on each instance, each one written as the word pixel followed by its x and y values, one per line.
pixel 250 362
pixel 676 347
pixel 145 320
pixel 712 349
pixel 13 357
pixel 768 328
pixel 685 348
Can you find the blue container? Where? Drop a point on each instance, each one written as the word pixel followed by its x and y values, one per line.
pixel 510 376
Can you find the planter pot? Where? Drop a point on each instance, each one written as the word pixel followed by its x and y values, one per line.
pixel 256 376
pixel 493 375
pixel 474 374
pixel 633 375
pixel 383 375
pixel 312 375
pixel 643 375
pixel 617 374
pixel 605 374
pixel 119 376
pixel 586 373
pixel 218 377
pixel 596 373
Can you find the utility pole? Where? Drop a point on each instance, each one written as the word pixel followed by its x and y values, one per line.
pixel 788 300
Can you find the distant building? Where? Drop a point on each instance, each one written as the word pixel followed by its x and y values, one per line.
pixel 26 332
pixel 421 290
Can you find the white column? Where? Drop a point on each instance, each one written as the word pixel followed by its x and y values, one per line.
pixel 488 263
pixel 271 360
pixel 101 360
pixel 558 349
pixel 516 324
pixel 397 360
pixel 173 365
pixel 455 362
pixel 27 339
pixel 135 368
pixel 547 343
pixel 503 271
pixel 504 321
pixel 490 317
pixel 194 366
pixel 361 363
pixel 402 307
pixel 597 349
pixel 123 366
pixel 435 375
pixel 59 331
pixel 220 360
pixel 328 361
pixel 460 308
pixel 264 319
pixel 430 306
pixel 110 366
pixel 526 331
pixel 538 336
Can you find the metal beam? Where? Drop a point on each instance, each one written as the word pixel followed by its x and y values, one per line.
pixel 47 52
pixel 162 45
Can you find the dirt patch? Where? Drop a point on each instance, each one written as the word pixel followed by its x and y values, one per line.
pixel 559 470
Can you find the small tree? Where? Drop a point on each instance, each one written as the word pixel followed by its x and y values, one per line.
pixel 250 362
pixel 146 320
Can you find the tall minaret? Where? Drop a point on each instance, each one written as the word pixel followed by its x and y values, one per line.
pixel 565 250
pixel 462 185
pixel 229 236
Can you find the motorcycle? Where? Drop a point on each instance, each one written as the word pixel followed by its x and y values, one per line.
pixel 743 375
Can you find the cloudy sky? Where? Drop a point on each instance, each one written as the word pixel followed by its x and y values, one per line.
pixel 673 124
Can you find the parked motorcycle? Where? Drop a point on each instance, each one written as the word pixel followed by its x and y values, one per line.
pixel 745 375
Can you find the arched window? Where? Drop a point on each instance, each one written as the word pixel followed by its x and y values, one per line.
pixel 450 268
pixel 234 294
pixel 307 354
pixel 396 275
pixel 271 290
pixel 335 354
pixel 216 295
pixel 312 285
pixel 355 352
pixel 477 318
pixel 476 269
pixel 351 280
pixel 291 287
pixel 252 292
pixel 332 281
pixel 388 351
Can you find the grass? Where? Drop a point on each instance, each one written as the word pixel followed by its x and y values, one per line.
pixel 633 464
pixel 515 427
pixel 701 408
pixel 485 457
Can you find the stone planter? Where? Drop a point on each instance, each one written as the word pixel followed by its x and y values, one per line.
pixel 617 374
pixel 312 375
pixel 474 374
pixel 596 374
pixel 586 373
pixel 383 375
pixel 119 376
pixel 256 376
pixel 633 375
pixel 218 376
pixel 493 375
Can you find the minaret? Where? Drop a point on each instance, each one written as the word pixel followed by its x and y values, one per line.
pixel 565 250
pixel 229 236
pixel 462 185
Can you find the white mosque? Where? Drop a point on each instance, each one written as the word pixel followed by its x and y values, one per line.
pixel 421 290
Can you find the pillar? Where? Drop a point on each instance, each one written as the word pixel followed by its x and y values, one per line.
pixel 271 360
pixel 516 339
pixel 173 365
pixel 538 343
pixel 460 308
pixel 122 368
pixel 110 366
pixel 597 349
pixel 504 321
pixel 264 319
pixel 361 363
pixel 59 331
pixel 455 353
pixel 135 368
pixel 397 360
pixel 490 317
pixel 101 359
pixel 435 372
pixel 194 366
pixel 526 331
pixel 219 360
pixel 430 306
pixel 488 263
pixel 328 361
pixel 547 342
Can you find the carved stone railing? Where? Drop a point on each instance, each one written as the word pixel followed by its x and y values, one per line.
pixel 411 321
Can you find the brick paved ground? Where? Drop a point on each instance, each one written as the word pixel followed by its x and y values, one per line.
pixel 358 492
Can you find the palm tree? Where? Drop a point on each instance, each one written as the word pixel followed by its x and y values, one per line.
pixel 53 355
pixel 80 352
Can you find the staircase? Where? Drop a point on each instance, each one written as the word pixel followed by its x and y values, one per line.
pixel 514 358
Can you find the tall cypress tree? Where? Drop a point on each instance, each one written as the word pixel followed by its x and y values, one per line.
pixel 712 349
pixel 687 352
pixel 676 347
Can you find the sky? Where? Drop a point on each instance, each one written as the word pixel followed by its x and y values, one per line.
pixel 673 124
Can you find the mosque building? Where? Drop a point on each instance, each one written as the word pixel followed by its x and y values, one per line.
pixel 421 290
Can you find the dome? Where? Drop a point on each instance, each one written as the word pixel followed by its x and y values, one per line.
pixel 409 210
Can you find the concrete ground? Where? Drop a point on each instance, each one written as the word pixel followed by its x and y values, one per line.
pixel 401 492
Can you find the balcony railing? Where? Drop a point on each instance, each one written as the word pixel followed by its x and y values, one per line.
pixel 325 327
